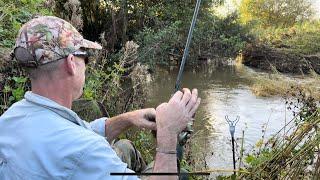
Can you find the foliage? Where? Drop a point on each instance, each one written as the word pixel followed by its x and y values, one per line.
pixel 13 91
pixel 120 20
pixel 101 75
pixel 155 45
pixel 277 84
pixel 15 13
pixel 13 81
pixel 73 13
pixel 116 81
pixel 144 141
pixel 275 12
pixel 225 37
pixel 291 153
pixel 300 38
pixel 120 84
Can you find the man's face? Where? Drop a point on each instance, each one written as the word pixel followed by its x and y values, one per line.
pixel 79 76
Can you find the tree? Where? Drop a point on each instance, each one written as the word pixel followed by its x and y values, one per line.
pixel 119 20
pixel 275 12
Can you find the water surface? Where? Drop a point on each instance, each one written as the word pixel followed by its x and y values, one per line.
pixel 224 90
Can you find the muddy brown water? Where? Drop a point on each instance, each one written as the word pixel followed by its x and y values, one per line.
pixel 224 91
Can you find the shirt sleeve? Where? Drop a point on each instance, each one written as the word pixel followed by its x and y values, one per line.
pixel 98 162
pixel 98 126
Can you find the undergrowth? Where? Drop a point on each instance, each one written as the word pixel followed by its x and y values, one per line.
pixel 300 38
pixel 292 153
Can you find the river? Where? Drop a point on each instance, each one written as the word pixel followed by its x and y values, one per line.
pixel 224 90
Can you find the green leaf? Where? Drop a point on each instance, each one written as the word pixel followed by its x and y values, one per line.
pixel 18 93
pixel 6 89
pixel 249 159
pixel 20 80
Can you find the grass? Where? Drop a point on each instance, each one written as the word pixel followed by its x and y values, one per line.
pixel 292 153
pixel 277 84
pixel 289 154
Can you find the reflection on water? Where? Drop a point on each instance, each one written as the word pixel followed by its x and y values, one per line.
pixel 224 91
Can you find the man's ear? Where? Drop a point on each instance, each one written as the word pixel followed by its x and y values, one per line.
pixel 70 64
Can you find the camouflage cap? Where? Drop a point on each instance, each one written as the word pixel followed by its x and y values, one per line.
pixel 49 38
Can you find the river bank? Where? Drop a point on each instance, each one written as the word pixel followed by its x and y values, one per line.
pixel 273 83
pixel 283 60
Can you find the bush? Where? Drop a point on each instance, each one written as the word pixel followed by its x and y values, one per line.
pixel 281 13
pixel 13 82
pixel 156 45
pixel 292 152
pixel 15 13
pixel 212 37
pixel 300 38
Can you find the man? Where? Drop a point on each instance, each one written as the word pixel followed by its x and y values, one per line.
pixel 41 138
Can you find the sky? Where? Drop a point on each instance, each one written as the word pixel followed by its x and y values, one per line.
pixel 316 4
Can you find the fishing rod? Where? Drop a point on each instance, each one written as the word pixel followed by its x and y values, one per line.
pixel 185 134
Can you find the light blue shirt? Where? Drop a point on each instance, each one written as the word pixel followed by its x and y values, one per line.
pixel 40 139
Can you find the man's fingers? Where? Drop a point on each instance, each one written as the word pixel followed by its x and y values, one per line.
pixel 193 99
pixel 195 107
pixel 150 114
pixel 176 97
pixel 150 125
pixel 161 106
pixel 186 96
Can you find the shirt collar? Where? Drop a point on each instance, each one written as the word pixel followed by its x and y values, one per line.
pixel 51 105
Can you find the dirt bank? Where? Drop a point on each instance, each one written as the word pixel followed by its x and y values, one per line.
pixel 282 59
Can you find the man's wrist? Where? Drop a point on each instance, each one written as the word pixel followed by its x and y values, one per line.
pixel 128 117
pixel 166 140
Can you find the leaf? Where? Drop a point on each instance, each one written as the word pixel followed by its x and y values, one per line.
pixel 6 89
pixel 249 159
pixel 19 80
pixel 18 93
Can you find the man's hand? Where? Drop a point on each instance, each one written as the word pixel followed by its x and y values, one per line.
pixel 173 117
pixel 143 118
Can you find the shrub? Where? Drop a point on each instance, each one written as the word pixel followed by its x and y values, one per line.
pixel 300 38
pixel 15 13
pixel 212 37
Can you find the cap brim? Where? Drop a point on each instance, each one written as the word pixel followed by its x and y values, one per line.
pixel 90 45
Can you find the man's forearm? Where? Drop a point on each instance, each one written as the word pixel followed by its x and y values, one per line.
pixel 165 161
pixel 116 125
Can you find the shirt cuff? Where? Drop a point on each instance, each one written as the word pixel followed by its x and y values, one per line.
pixel 99 126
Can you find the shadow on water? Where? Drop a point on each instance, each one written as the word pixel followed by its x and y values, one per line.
pixel 224 91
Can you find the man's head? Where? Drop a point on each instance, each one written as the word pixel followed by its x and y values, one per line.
pixel 53 50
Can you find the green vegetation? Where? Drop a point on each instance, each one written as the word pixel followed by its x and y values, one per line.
pixel 13 14
pixel 301 38
pixel 285 35
pixel 225 37
pixel 13 92
pixel 291 153
pixel 280 13
pixel 279 85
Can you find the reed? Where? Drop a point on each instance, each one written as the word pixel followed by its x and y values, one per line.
pixel 292 153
